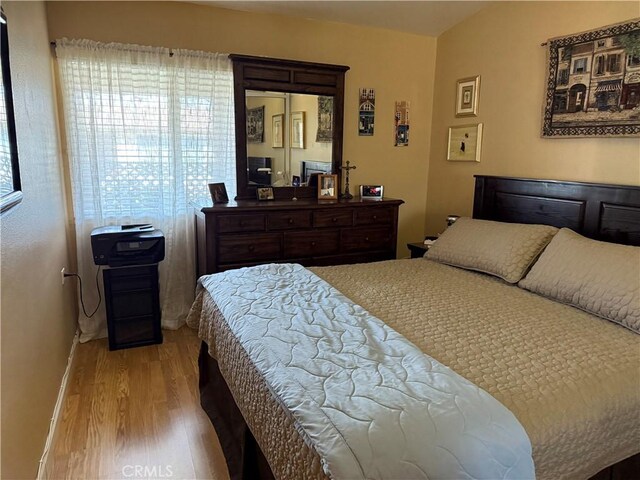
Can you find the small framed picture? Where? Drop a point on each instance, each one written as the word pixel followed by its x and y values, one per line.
pixel 467 90
pixel 218 193
pixel 371 192
pixel 464 143
pixel 297 129
pixel 277 124
pixel 295 182
pixel 264 193
pixel 327 187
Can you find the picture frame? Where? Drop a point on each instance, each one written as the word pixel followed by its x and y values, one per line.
pixel 465 142
pixel 295 181
pixel 371 192
pixel 593 83
pixel 218 193
pixel 277 131
pixel 467 94
pixel 297 130
pixel 255 125
pixel 264 193
pixel 328 187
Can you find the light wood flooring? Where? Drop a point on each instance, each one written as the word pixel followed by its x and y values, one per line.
pixel 135 408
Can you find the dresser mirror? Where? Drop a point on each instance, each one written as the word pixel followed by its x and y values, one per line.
pixel 289 138
pixel 289 124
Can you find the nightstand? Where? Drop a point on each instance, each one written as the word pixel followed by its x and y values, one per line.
pixel 418 249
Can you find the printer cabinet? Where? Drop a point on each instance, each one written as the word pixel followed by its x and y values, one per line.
pixel 133 306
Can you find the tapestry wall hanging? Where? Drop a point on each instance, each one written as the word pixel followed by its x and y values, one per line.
pixel 255 125
pixel 325 119
pixel 593 83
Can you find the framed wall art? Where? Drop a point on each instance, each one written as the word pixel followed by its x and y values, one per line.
pixel 366 112
pixel 277 131
pixel 593 83
pixel 464 143
pixel 297 129
pixel 401 125
pixel 467 92
pixel 255 125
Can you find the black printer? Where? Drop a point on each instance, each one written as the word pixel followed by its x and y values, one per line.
pixel 124 245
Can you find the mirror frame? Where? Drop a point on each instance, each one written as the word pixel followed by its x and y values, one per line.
pixel 291 76
pixel 10 199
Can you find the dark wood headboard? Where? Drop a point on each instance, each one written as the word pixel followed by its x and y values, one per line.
pixel 600 211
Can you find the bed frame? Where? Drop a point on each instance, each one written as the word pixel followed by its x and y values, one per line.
pixel 603 212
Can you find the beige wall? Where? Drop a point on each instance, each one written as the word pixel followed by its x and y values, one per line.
pixel 502 44
pixel 399 66
pixel 38 313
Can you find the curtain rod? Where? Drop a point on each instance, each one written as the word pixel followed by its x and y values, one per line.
pixel 54 44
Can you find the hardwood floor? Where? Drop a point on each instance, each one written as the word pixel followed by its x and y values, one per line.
pixel 135 414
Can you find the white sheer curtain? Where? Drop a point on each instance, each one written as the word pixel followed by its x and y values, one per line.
pixel 146 131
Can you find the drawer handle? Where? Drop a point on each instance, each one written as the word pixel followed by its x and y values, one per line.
pixel 291 221
pixel 241 223
pixel 251 248
pixel 313 244
pixel 366 239
pixel 375 217
pixel 334 219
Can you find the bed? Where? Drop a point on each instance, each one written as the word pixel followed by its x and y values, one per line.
pixel 570 378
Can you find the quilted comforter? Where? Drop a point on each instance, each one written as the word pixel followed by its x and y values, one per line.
pixel 372 404
pixel 571 379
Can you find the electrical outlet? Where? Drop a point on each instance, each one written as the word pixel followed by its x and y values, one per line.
pixel 62 275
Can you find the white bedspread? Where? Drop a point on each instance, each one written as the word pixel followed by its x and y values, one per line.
pixel 372 404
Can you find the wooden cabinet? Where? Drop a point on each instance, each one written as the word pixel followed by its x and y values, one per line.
pixel 246 233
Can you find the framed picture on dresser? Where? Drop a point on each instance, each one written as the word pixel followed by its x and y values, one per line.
pixel 327 187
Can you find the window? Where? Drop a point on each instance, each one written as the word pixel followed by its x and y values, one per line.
pixel 148 136
pixel 600 61
pixel 563 76
pixel 580 65
pixel 613 63
pixel 146 131
pixel 633 61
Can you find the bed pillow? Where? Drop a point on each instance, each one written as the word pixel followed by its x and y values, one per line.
pixel 505 250
pixel 599 277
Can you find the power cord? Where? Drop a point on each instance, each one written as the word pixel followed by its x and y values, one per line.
pixel 81 296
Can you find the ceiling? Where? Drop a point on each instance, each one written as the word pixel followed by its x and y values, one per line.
pixel 419 17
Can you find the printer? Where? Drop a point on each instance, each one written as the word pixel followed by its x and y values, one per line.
pixel 125 245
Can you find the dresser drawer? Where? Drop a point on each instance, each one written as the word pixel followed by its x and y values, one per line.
pixel 333 218
pixel 288 220
pixel 238 248
pixel 363 239
pixel 311 243
pixel 240 223
pixel 368 216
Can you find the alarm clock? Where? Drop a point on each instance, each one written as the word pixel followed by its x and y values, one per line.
pixel 371 192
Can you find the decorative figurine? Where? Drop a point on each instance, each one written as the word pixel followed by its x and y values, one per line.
pixel 347 194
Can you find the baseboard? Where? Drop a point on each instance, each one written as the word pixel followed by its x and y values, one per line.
pixel 42 466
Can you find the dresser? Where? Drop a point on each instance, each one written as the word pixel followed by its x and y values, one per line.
pixel 309 232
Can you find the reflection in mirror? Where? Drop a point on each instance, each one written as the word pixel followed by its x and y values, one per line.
pixel 10 193
pixel 289 137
